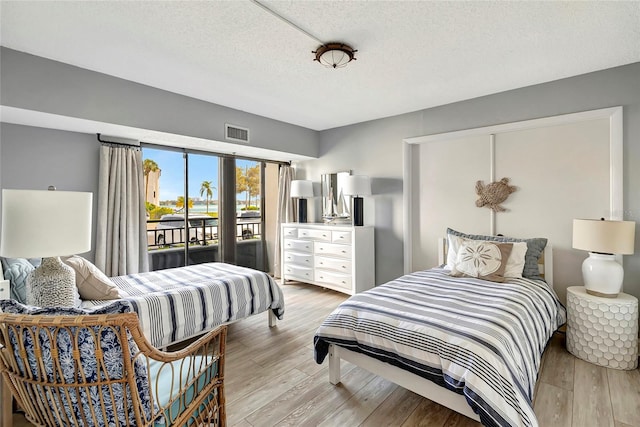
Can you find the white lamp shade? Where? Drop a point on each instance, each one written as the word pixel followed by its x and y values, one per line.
pixel 45 223
pixel 357 185
pixel 606 237
pixel 301 189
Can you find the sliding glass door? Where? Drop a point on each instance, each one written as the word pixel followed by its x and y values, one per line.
pixel 203 208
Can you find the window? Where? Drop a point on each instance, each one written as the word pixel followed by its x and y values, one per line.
pixel 170 174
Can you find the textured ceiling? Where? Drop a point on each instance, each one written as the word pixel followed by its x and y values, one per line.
pixel 412 55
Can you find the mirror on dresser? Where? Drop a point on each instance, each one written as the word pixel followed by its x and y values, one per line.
pixel 335 204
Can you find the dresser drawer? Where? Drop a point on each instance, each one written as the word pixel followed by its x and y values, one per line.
pixel 289 232
pixel 333 249
pixel 319 235
pixel 298 258
pixel 333 278
pixel 338 264
pixel 341 237
pixel 304 274
pixel 298 245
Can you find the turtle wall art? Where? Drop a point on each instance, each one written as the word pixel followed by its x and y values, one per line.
pixel 493 194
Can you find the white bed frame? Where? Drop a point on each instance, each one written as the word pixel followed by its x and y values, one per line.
pixel 413 382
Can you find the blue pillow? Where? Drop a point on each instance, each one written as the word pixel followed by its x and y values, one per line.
pixel 110 346
pixel 535 247
pixel 16 271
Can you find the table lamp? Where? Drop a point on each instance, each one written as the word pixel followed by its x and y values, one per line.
pixel 357 186
pixel 47 224
pixel 302 190
pixel 604 240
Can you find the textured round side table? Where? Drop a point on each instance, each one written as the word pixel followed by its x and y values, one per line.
pixel 603 331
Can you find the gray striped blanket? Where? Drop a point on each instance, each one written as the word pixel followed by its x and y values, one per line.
pixel 481 339
pixel 178 303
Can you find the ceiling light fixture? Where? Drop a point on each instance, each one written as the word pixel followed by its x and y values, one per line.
pixel 331 55
pixel 335 55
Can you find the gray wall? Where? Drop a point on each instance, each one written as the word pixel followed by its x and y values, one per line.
pixel 35 83
pixel 375 149
pixel 34 158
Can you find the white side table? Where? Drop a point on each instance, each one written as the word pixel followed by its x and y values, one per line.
pixel 603 331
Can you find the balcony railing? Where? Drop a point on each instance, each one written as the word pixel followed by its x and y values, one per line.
pixel 172 232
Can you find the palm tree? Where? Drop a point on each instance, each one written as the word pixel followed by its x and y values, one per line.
pixel 148 166
pixel 180 203
pixel 207 188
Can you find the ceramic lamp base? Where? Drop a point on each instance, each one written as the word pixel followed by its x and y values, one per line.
pixel 602 275
pixel 53 284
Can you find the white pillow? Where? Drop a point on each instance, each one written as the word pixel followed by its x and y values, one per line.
pixel 482 259
pixel 92 283
pixel 515 262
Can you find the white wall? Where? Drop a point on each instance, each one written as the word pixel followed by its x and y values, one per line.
pixel 35 158
pixel 374 148
pixel 34 83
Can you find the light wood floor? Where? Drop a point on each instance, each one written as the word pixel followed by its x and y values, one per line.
pixel 271 379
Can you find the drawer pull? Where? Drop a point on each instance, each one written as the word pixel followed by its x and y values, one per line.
pixel 324 235
pixel 344 252
pixel 344 266
pixel 344 283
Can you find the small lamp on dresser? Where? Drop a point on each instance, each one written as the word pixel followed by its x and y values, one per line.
pixel 302 190
pixel 604 240
pixel 47 224
pixel 357 186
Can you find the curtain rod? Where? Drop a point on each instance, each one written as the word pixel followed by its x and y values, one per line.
pixel 125 142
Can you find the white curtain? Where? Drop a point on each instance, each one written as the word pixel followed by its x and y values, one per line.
pixel 121 241
pixel 284 212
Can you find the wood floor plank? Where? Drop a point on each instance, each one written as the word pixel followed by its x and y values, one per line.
pixel 553 406
pixel 459 420
pixel 394 410
pixel 427 414
pixel 238 409
pixel 287 402
pixel 591 390
pixel 558 364
pixel 356 409
pixel 625 395
pixel 323 406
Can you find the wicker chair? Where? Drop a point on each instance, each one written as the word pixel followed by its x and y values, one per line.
pixel 70 371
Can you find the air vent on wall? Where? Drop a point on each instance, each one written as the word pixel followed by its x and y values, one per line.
pixel 236 133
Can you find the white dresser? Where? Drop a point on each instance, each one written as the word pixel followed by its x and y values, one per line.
pixel 338 257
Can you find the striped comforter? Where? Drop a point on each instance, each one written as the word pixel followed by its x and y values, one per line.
pixel 178 303
pixel 477 338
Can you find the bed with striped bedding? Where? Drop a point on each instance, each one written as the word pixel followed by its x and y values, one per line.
pixel 179 303
pixel 481 339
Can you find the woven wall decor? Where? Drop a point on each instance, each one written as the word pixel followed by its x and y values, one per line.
pixel 493 194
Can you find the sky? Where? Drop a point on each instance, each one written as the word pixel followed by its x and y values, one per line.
pixel 201 168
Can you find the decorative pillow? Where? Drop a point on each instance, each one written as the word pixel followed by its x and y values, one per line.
pixel 515 262
pixel 16 271
pixel 535 247
pixel 85 336
pixel 92 283
pixel 483 260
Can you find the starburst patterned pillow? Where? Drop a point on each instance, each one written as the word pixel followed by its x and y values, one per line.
pixel 481 259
